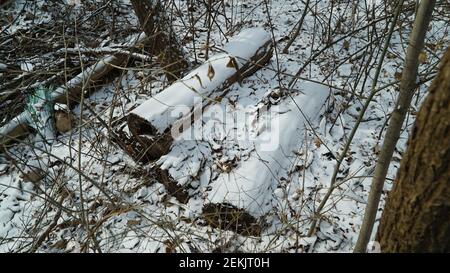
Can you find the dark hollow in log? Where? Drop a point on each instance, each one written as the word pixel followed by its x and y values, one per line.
pixel 151 145
pixel 15 134
pixel 228 217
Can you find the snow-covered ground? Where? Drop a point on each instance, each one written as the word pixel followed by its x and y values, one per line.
pixel 94 197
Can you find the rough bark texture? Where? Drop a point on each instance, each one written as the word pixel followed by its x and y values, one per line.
pixel 416 217
pixel 163 43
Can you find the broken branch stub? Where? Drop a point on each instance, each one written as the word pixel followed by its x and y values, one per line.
pixel 151 123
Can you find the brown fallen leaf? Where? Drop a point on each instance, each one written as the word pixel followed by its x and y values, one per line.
pixel 317 142
pixel 211 72
pixel 431 46
pixel 423 58
pixel 63 121
pixel 232 63
pixel 170 246
pixel 346 45
pixel 33 176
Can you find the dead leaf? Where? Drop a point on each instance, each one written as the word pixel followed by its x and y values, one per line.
pixel 317 142
pixel 63 121
pixel 33 176
pixel 133 222
pixel 170 246
pixel 224 166
pixel 414 112
pixel 391 55
pixel 423 57
pixel 398 75
pixel 346 45
pixel 232 63
pixel 211 72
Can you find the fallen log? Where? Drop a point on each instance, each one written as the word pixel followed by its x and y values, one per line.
pixel 248 189
pixel 71 91
pixel 151 122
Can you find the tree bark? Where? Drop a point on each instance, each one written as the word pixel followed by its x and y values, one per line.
pixel 407 87
pixel 163 42
pixel 416 215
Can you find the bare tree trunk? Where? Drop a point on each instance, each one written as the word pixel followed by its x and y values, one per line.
pixel 163 42
pixel 416 216
pixel 407 87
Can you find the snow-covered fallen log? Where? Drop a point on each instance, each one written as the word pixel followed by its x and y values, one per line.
pixel 246 191
pixel 151 123
pixel 71 91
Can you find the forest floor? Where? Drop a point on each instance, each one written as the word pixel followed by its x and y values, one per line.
pixel 92 196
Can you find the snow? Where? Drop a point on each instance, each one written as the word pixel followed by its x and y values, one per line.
pixel 251 185
pixel 27 66
pixel 96 68
pixel 165 108
pixel 228 160
pixel 247 42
